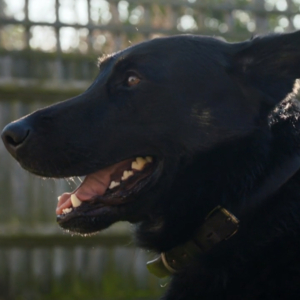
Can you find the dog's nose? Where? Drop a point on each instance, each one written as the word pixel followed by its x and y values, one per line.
pixel 14 135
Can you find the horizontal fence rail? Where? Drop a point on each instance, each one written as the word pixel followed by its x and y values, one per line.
pixel 28 75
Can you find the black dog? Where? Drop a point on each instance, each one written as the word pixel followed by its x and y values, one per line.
pixel 171 129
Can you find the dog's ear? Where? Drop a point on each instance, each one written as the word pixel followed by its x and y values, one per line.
pixel 270 64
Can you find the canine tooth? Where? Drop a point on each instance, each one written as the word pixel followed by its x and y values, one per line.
pixel 113 184
pixel 58 198
pixel 149 159
pixel 138 164
pixel 67 210
pixel 75 201
pixel 126 175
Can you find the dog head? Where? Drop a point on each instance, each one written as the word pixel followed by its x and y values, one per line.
pixel 152 131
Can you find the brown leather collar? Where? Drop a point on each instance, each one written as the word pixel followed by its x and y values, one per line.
pixel 219 225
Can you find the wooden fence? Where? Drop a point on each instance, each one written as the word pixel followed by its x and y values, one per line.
pixel 48 52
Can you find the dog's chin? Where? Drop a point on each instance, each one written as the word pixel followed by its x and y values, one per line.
pixel 115 193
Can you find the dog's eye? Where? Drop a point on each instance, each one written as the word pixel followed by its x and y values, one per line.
pixel 133 80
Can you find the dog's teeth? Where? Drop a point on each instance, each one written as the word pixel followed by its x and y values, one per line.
pixel 126 175
pixel 67 210
pixel 75 201
pixel 149 159
pixel 138 164
pixel 113 184
pixel 58 198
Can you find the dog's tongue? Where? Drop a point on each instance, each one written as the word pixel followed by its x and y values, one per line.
pixel 93 185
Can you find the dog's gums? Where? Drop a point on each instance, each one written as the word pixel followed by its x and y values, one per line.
pixel 110 186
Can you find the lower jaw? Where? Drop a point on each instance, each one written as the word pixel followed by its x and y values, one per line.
pixel 93 221
pixel 84 224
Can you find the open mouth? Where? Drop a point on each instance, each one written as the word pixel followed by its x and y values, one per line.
pixel 112 186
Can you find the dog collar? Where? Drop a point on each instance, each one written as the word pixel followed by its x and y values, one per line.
pixel 219 225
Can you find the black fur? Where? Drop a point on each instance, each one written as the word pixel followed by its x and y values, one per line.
pixel 222 122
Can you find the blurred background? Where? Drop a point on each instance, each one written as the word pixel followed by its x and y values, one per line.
pixel 48 52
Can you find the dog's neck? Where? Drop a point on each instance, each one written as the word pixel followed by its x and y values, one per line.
pixel 274 181
pixel 219 225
